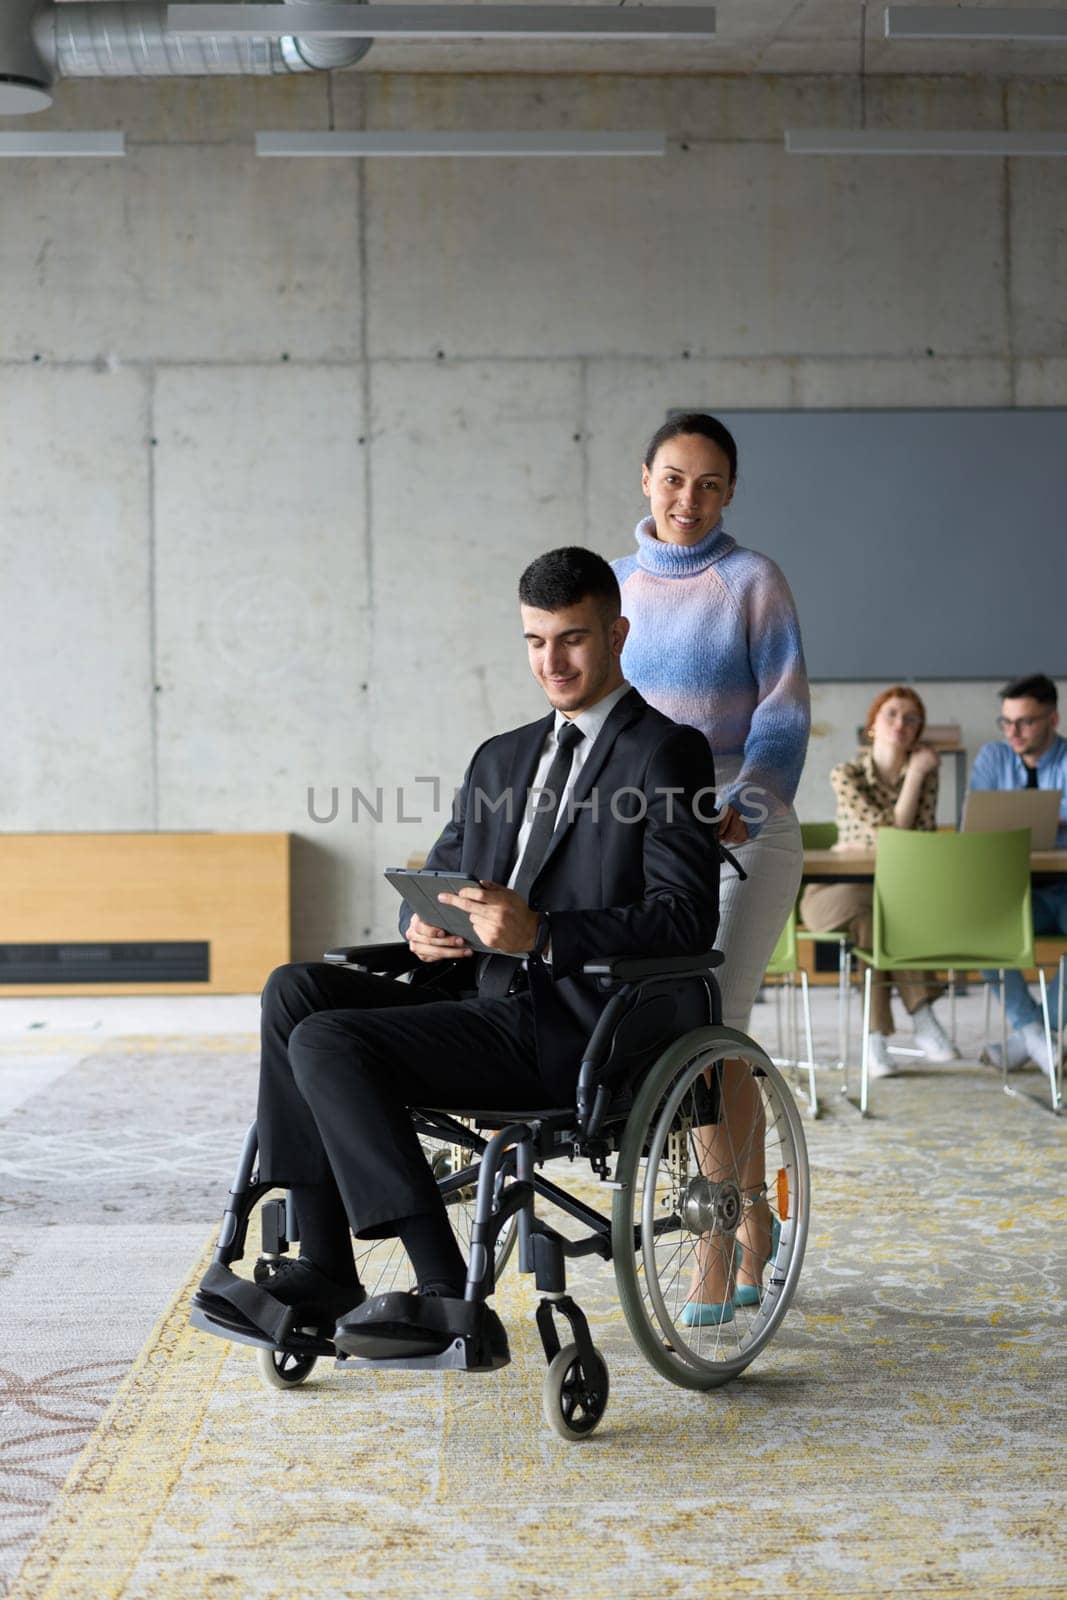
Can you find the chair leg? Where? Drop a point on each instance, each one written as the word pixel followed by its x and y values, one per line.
pixel 813 1098
pixel 844 981
pixel 848 1026
pixel 779 1023
pixel 866 1051
pixel 1058 1057
pixel 952 1006
pixel 1055 1101
pixel 788 1021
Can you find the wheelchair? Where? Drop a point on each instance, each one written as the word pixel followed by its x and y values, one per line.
pixel 686 1159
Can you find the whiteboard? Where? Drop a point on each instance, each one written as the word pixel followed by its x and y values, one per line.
pixel 918 544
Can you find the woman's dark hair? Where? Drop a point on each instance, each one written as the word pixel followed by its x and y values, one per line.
pixel 1035 687
pixel 680 422
pixel 564 577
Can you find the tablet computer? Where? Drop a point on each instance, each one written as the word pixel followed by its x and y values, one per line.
pixel 421 888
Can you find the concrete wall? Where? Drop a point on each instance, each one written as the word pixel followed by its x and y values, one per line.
pixel 277 437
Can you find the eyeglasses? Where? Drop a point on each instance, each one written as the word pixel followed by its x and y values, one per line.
pixel 1023 724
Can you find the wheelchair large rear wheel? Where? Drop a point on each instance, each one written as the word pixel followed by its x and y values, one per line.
pixel 383 1264
pixel 712 1170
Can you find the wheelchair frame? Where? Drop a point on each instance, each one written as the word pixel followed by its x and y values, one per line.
pixel 503 1169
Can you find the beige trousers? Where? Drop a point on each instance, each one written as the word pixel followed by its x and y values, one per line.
pixel 849 908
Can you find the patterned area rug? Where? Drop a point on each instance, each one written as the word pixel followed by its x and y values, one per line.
pixel 113 1164
pixel 904 1434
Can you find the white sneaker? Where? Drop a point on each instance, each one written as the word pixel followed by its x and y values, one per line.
pixel 1036 1048
pixel 879 1064
pixel 1018 1051
pixel 931 1037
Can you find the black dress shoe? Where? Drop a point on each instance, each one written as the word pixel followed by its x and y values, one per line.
pixel 317 1300
pixel 395 1326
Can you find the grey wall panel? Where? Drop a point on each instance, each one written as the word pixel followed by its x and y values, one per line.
pixel 919 544
pixel 75 637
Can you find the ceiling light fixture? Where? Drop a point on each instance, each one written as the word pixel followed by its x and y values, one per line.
pixel 916 142
pixel 461 144
pixel 444 21
pixel 62 144
pixel 1026 25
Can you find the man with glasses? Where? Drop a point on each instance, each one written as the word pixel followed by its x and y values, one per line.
pixel 1031 755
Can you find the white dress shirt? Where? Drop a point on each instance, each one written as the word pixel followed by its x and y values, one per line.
pixel 591 721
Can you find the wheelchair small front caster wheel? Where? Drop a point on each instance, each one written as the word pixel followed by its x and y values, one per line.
pixel 574 1400
pixel 284 1369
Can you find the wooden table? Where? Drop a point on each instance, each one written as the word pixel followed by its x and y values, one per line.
pixel 825 865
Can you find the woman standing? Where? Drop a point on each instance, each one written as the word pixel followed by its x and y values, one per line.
pixel 892 783
pixel 714 642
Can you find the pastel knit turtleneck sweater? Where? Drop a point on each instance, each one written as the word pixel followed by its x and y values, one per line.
pixel 714 642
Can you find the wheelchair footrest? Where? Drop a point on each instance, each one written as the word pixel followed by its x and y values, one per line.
pixel 430 1332
pixel 462 1355
pixel 226 1323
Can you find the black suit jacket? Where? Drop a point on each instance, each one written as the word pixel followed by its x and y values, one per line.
pixel 636 873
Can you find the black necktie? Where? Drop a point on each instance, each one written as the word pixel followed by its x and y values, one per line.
pixel 1031 777
pixel 496 973
pixel 544 823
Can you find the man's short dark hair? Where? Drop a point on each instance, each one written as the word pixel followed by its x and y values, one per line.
pixel 1035 687
pixel 565 577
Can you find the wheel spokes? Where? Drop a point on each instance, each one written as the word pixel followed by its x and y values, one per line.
pixel 735 1173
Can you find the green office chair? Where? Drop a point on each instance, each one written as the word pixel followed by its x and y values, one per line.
pixel 818 835
pixel 955 901
pixel 785 964
pixel 823 836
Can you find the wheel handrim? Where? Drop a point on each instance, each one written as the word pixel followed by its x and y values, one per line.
pixel 715 1351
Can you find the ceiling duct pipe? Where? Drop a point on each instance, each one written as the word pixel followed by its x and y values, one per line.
pixel 40 43
pixel 25 68
pixel 320 55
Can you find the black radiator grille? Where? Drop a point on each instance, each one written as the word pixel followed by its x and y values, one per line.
pixel 159 961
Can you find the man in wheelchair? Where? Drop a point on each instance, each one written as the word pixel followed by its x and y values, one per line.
pixel 590 833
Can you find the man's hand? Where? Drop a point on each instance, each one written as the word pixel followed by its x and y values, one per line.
pixel 434 944
pixel 732 830
pixel 501 918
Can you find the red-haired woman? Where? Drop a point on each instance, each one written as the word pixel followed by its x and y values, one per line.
pixel 892 783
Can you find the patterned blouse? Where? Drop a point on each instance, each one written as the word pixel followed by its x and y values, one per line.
pixel 865 801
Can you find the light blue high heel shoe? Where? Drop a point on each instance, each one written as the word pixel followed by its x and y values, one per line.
pixel 750 1294
pixel 701 1314
pixel 697 1314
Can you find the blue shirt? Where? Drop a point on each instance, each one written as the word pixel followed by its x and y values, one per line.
pixel 996 766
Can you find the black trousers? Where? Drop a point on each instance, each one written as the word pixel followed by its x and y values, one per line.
pixel 345 1054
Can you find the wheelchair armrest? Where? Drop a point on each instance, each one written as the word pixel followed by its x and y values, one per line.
pixel 631 969
pixel 394 958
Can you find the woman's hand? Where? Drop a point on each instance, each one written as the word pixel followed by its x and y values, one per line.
pixel 434 944
pixel 923 760
pixel 501 918
pixel 732 830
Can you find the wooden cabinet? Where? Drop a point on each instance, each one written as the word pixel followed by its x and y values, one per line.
pixel 102 903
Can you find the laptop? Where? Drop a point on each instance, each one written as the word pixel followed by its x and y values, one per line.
pixel 1000 810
